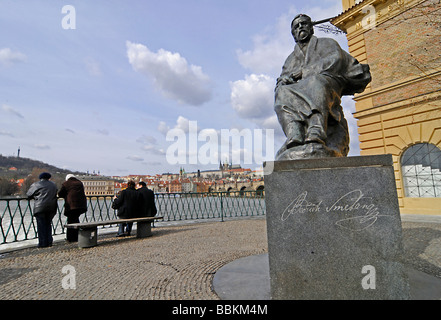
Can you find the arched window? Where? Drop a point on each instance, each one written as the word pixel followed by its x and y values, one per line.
pixel 420 166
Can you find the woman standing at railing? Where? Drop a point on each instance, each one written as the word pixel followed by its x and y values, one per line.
pixel 75 203
pixel 44 192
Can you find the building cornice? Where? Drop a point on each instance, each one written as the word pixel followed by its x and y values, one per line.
pixel 424 98
pixel 360 17
pixel 351 13
pixel 398 84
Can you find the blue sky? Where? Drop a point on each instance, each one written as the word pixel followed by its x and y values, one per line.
pixel 103 96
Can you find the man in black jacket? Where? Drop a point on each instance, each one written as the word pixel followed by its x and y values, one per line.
pixel 44 192
pixel 128 204
pixel 148 207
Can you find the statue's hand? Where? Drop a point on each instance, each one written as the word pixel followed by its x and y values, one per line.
pixel 294 77
pixel 283 81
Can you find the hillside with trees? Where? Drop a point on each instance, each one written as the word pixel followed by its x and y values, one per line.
pixel 17 174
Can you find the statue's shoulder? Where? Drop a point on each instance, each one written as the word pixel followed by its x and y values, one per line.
pixel 327 41
pixel 327 46
pixel 294 55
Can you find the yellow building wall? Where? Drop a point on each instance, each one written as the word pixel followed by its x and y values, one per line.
pixel 402 105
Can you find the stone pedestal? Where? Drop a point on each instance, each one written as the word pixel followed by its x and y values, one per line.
pixel 143 229
pixel 334 229
pixel 87 237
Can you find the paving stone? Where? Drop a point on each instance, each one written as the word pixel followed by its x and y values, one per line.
pixel 177 263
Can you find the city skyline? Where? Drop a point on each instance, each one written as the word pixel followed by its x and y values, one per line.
pixel 99 86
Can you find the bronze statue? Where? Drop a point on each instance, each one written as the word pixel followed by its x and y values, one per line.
pixel 308 94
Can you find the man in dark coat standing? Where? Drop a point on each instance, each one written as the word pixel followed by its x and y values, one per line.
pixel 75 203
pixel 128 204
pixel 44 192
pixel 148 207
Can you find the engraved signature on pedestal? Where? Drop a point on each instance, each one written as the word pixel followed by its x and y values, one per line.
pixel 365 211
pixel 300 205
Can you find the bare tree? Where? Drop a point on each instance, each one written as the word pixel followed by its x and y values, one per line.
pixel 30 179
pixel 8 187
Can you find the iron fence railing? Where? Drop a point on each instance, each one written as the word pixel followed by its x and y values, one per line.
pixel 17 223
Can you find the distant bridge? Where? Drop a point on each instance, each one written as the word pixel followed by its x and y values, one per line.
pixel 238 186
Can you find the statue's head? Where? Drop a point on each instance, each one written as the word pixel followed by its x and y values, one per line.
pixel 302 28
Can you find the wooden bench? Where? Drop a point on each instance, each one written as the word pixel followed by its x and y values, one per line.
pixel 88 231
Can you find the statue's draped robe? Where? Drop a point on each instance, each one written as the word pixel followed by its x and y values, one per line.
pixel 318 79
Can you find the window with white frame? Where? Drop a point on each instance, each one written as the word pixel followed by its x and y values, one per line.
pixel 420 167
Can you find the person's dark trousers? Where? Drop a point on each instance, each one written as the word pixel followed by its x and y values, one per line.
pixel 125 229
pixel 71 233
pixel 129 228
pixel 44 231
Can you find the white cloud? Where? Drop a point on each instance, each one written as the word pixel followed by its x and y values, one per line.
pixel 144 139
pixel 104 132
pixel 320 12
pixel 150 145
pixel 135 158
pixel 172 74
pixel 182 123
pixel 42 146
pixel 348 105
pixel 11 110
pixel 253 97
pixel 271 48
pixel 163 127
pixel 9 57
pixel 92 67
pixel 271 123
pixel 6 133
pixel 153 150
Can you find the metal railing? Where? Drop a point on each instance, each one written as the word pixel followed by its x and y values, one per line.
pixel 17 223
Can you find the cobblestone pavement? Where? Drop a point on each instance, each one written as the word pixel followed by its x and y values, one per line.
pixel 177 263
pixel 422 245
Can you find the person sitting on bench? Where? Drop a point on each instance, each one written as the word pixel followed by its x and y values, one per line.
pixel 128 204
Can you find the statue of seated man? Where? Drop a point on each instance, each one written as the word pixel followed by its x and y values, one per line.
pixel 308 94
